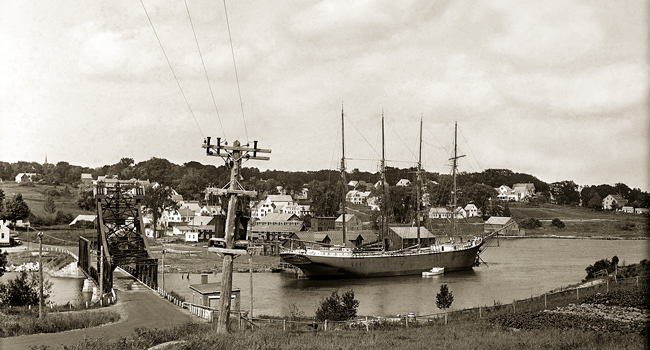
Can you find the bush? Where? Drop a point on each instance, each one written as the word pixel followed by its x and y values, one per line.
pixel 557 223
pixel 338 307
pixel 530 223
pixel 23 290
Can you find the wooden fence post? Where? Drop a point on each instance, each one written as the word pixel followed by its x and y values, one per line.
pixel 284 325
pixel 367 329
pixel 544 301
pixel 407 321
pixel 514 310
pixel 326 325
pixel 479 312
pixel 607 284
pixel 577 294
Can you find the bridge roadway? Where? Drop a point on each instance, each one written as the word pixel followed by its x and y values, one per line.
pixel 137 305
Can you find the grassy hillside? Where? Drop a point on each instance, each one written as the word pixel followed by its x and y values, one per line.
pixel 34 195
pixel 583 222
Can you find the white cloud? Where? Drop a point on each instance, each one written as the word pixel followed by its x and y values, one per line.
pixel 546 32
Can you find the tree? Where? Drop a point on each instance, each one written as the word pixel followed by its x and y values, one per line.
pixel 326 197
pixel 595 202
pixel 3 262
pixel 2 201
pixel 49 205
pixel 338 307
pixel 158 199
pixel 16 209
pixel 23 290
pixel 85 198
pixel 444 299
pixel 480 195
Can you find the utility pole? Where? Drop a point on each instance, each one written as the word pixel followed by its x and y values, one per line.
pixel 233 156
pixel 101 274
pixel 419 184
pixel 40 275
pixel 345 184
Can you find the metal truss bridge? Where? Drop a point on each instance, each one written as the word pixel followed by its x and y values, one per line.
pixel 120 240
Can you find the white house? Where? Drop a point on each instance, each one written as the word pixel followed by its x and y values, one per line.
pixel 461 213
pixel 613 200
pixel 22 177
pixel 503 192
pixel 628 209
pixel 471 210
pixel 357 197
pixel 439 213
pixel 523 191
pixel 641 211
pixel 4 233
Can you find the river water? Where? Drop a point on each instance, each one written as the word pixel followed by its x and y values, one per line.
pixel 517 269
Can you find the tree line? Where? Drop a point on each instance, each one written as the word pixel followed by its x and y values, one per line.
pixel 325 191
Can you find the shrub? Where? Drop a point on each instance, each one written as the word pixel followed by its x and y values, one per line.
pixel 530 223
pixel 557 223
pixel 338 307
pixel 23 290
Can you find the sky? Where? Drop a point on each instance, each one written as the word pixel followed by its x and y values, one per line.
pixel 556 89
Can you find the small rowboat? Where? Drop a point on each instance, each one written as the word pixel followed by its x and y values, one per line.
pixel 434 272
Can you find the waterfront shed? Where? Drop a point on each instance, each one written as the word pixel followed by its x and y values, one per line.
pixel 495 223
pixel 209 294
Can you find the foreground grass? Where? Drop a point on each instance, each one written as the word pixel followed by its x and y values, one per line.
pixel 464 335
pixel 22 321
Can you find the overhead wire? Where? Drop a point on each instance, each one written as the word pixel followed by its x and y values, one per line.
pixel 232 50
pixel 204 69
pixel 470 149
pixel 172 69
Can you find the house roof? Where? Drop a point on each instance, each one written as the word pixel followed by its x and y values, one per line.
pixel 200 220
pixel 348 217
pixel 186 212
pixel 441 210
pixel 470 206
pixel 411 232
pixel 277 217
pixel 618 198
pixel 498 220
pixel 85 176
pixel 82 217
pixel 276 228
pixel 279 198
pixel 210 288
pixel 402 182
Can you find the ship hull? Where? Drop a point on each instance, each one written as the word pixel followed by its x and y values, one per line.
pixel 380 264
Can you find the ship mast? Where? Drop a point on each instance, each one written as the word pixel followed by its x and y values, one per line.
pixel 454 166
pixel 345 185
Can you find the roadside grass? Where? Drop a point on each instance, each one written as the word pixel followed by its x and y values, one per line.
pixel 457 335
pixel 24 321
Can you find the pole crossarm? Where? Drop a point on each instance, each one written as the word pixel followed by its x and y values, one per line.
pixel 242 152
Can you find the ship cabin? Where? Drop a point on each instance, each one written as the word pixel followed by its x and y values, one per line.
pixel 404 237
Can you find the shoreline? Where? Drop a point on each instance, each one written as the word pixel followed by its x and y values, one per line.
pixel 605 238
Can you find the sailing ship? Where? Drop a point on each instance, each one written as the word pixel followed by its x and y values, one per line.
pixel 342 262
